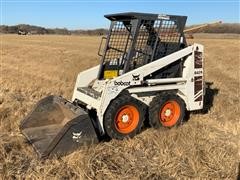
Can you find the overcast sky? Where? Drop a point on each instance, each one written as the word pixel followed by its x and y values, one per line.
pixel 76 14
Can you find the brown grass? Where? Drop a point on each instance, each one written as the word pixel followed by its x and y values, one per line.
pixel 207 146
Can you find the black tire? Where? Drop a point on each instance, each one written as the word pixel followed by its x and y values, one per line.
pixel 116 107
pixel 166 101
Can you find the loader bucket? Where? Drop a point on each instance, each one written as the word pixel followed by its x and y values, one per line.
pixel 57 127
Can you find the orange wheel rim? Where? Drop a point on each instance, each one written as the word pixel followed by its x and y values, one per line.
pixel 126 119
pixel 169 113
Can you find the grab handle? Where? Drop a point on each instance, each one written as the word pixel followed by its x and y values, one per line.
pixel 100 47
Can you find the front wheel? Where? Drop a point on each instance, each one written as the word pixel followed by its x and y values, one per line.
pixel 167 110
pixel 124 117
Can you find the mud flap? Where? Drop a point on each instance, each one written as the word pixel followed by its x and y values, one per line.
pixel 57 127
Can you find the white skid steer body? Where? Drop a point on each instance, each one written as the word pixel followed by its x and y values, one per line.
pixel 190 87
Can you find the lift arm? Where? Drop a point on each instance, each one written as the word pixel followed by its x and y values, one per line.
pixel 201 26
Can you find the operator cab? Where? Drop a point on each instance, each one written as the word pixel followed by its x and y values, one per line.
pixel 136 39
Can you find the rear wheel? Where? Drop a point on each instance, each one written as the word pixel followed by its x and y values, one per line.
pixel 167 110
pixel 124 117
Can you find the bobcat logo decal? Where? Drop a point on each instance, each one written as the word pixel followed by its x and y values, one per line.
pixel 76 136
pixel 135 77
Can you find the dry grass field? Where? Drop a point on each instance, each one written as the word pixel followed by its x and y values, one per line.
pixel 207 146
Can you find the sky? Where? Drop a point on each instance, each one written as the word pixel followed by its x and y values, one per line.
pixel 83 14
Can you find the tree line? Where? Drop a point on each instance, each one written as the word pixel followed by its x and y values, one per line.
pixel 25 29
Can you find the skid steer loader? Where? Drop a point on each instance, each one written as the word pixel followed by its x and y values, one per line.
pixel 147 72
